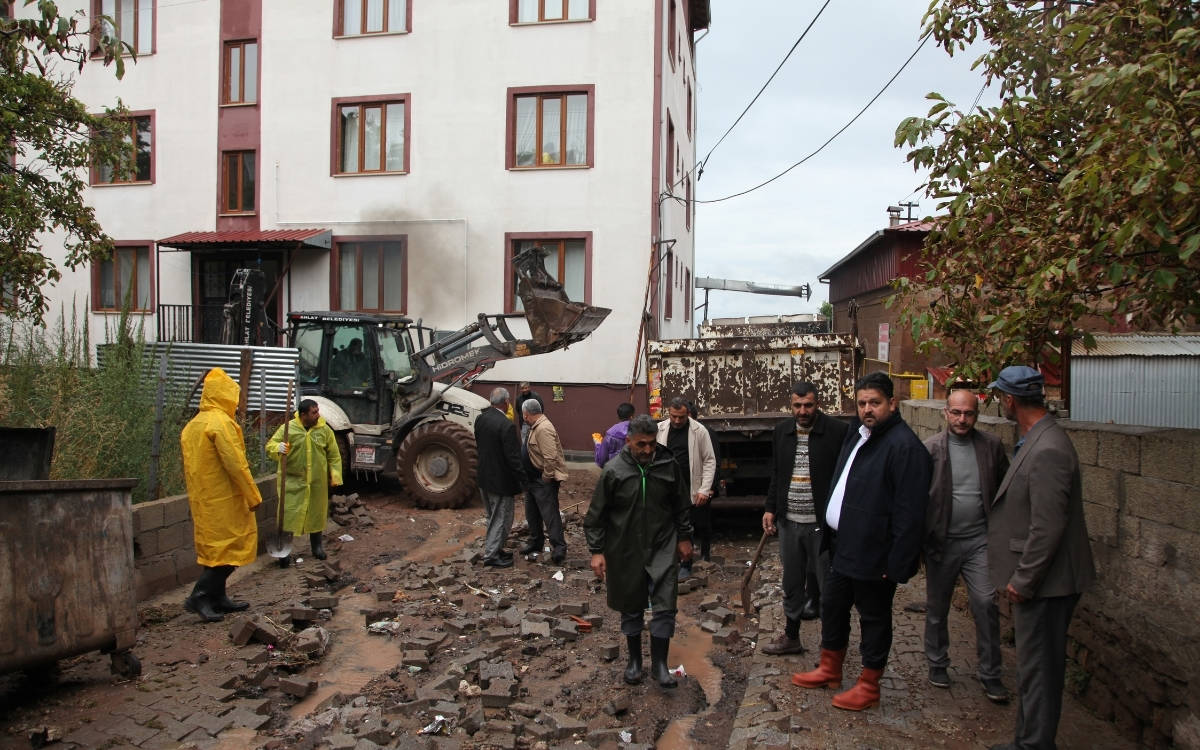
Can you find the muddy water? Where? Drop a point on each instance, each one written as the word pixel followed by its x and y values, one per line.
pixel 354 657
pixel 690 647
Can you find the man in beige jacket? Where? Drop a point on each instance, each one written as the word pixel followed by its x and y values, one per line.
pixel 689 442
pixel 545 467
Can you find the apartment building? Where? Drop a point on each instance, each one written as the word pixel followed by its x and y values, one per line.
pixel 393 155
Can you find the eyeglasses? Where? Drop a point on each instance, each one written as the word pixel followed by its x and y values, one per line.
pixel 961 413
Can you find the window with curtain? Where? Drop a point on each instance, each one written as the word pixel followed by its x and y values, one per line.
pixel 131 21
pixel 237 182
pixel 137 163
pixel 371 136
pixel 361 17
pixel 550 130
pixel 240 84
pixel 371 274
pixel 540 11
pixel 123 278
pixel 565 261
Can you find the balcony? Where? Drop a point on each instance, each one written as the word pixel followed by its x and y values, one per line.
pixel 191 323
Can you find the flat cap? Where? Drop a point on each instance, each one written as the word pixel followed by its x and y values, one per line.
pixel 1019 380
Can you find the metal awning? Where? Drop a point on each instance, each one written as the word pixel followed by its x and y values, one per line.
pixel 279 239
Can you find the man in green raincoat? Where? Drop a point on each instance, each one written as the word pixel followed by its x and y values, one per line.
pixel 314 465
pixel 638 528
pixel 222 496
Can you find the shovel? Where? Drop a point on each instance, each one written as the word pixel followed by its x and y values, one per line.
pixel 279 543
pixel 747 605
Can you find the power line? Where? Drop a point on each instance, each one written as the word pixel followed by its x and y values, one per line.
pixel 764 86
pixel 832 137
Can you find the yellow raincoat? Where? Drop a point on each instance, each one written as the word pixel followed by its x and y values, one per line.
pixel 221 490
pixel 314 464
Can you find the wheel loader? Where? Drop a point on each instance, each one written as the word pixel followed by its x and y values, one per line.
pixel 394 394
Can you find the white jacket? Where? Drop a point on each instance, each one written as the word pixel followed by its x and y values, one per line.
pixel 701 460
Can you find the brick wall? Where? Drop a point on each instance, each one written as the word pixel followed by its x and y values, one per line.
pixel 1136 634
pixel 163 554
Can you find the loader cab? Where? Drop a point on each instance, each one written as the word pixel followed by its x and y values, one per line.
pixel 360 362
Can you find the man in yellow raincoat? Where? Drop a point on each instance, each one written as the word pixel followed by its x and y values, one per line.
pixel 314 465
pixel 222 495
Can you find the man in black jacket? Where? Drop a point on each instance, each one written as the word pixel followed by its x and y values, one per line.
pixel 499 475
pixel 875 519
pixel 803 452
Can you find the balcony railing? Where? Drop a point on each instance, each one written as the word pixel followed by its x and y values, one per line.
pixel 192 323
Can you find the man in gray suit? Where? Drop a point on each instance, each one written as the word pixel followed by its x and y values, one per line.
pixel 1038 552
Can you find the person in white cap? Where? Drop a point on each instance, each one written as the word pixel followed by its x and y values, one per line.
pixel 1038 552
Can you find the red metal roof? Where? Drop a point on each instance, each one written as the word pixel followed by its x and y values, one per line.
pixel 259 237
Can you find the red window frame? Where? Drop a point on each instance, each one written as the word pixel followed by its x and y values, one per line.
pixel 95 178
pixel 514 15
pixel 118 294
pixel 667 299
pixel 355 244
pixel 670 149
pixel 547 240
pixel 226 72
pixel 687 295
pixel 339 16
pixel 97 28
pixel 363 103
pixel 672 21
pixel 542 93
pixel 238 190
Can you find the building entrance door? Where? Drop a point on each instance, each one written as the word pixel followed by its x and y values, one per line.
pixel 211 274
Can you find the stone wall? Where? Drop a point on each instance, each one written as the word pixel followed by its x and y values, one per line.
pixel 163 553
pixel 1136 633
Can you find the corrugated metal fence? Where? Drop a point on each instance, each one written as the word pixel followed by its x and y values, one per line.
pixel 272 368
pixel 1138 390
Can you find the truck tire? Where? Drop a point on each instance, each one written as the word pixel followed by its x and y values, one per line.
pixel 436 462
pixel 343 444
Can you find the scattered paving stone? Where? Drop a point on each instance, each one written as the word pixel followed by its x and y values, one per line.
pixel 311 641
pixel 298 687
pixel 725 636
pixel 618 705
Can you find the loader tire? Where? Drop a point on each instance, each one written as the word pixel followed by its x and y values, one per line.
pixel 343 445
pixel 436 462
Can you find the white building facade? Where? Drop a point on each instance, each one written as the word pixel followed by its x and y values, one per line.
pixel 392 155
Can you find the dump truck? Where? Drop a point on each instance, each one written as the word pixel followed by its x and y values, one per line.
pixel 739 373
pixel 392 389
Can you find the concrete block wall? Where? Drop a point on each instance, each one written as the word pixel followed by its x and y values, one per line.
pixel 1136 634
pixel 163 553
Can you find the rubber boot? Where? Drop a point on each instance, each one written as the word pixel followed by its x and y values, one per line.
pixel 827 674
pixel 863 695
pixel 224 603
pixel 705 550
pixel 658 662
pixel 633 670
pixel 201 599
pixel 318 549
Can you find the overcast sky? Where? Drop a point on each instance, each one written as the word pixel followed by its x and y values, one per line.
pixel 793 229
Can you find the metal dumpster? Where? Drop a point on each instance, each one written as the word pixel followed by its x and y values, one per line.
pixel 66 572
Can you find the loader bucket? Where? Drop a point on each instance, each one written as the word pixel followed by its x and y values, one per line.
pixel 555 322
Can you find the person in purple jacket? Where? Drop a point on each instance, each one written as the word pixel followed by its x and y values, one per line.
pixel 614 439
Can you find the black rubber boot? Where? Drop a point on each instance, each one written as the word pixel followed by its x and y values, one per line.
pixel 705 550
pixel 633 670
pixel 658 662
pixel 318 549
pixel 201 600
pixel 224 603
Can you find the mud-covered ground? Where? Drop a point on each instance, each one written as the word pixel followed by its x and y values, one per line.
pixel 495 652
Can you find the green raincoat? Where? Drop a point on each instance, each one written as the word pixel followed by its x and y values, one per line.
pixel 637 518
pixel 314 464
pixel 221 491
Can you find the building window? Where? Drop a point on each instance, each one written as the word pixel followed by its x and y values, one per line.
pixel 371 135
pixel 370 274
pixel 550 127
pixel 125 278
pixel 567 259
pixel 137 163
pixel 689 111
pixel 362 17
pixel 669 285
pixel 687 296
pixel 237 182
pixel 541 11
pixel 671 21
pixel 687 201
pixel 241 73
pixel 131 21
pixel 670 150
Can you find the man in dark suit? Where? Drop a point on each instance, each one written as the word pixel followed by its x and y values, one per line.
pixel 1038 552
pixel 500 475
pixel 804 449
pixel 875 519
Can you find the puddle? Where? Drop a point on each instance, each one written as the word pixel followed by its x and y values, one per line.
pixel 449 539
pixel 354 657
pixel 691 647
